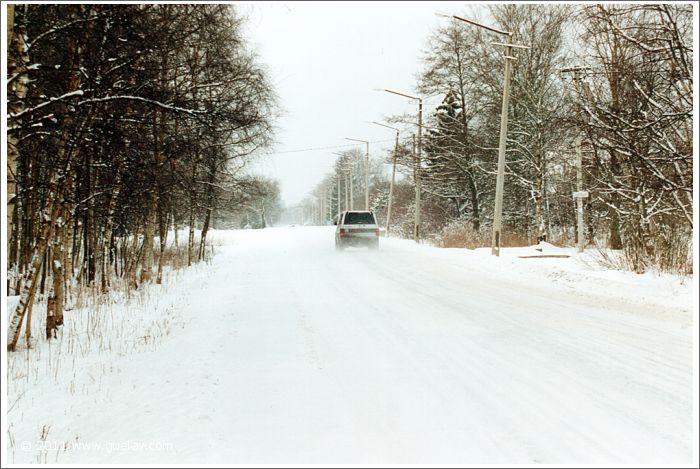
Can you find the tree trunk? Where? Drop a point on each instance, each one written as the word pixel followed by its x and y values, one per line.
pixel 29 207
pixel 66 243
pixel 51 215
pixel 203 239
pixel 107 246
pixel 155 206
pixel 190 239
pixel 54 309
pixel 52 212
pixel 163 223
pixel 28 327
pixel 474 194
pixel 13 260
pixel 17 49
pixel 149 234
pixel 75 249
pixel 42 285
pixel 90 226
pixel 211 200
pixel 67 264
pixel 615 241
pixel 541 209
pixel 175 231
pixel 53 207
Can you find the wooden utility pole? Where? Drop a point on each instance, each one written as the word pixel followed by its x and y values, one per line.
pixel 580 195
pixel 497 237
pixel 393 174
pixel 498 210
pixel 416 226
pixel 391 184
pixel 417 156
pixel 413 152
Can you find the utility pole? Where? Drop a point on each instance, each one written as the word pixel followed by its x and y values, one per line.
pixel 366 169
pixel 497 237
pixel 416 232
pixel 416 171
pixel 498 210
pixel 391 184
pixel 393 175
pixel 580 194
pixel 413 152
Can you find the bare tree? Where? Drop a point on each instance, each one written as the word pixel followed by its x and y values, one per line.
pixel 99 187
pixel 639 115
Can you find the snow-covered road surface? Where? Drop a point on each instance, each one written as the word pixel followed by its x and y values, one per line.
pixel 293 353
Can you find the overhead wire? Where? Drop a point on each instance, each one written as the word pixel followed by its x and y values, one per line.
pixel 326 147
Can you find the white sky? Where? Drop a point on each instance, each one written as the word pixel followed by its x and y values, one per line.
pixel 325 60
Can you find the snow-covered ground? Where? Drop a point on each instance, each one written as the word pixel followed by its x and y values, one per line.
pixel 284 351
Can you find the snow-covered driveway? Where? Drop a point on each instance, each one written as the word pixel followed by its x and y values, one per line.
pixel 297 354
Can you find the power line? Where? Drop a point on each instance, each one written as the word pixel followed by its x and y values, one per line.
pixel 325 148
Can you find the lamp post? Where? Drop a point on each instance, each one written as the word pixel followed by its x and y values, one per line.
pixel 416 224
pixel 498 209
pixel 366 169
pixel 393 174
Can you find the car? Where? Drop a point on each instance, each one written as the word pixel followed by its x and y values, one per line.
pixel 356 228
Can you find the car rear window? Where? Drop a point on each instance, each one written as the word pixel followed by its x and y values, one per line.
pixel 359 218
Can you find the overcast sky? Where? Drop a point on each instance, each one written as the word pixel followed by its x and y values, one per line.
pixel 325 60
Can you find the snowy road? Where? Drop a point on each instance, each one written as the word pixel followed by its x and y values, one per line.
pixel 297 354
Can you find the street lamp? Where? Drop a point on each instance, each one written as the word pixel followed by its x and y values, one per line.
pixel 366 169
pixel 498 210
pixel 416 177
pixel 393 174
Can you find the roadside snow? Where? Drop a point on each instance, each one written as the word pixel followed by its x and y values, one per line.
pixel 284 351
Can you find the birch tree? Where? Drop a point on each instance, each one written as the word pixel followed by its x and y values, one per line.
pixel 125 106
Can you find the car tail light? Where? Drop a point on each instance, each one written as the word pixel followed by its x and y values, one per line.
pixel 342 232
pixel 377 231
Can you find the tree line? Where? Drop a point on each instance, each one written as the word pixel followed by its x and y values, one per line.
pixel 611 81
pixel 124 122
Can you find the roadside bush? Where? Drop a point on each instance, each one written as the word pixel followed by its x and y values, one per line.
pixel 461 234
